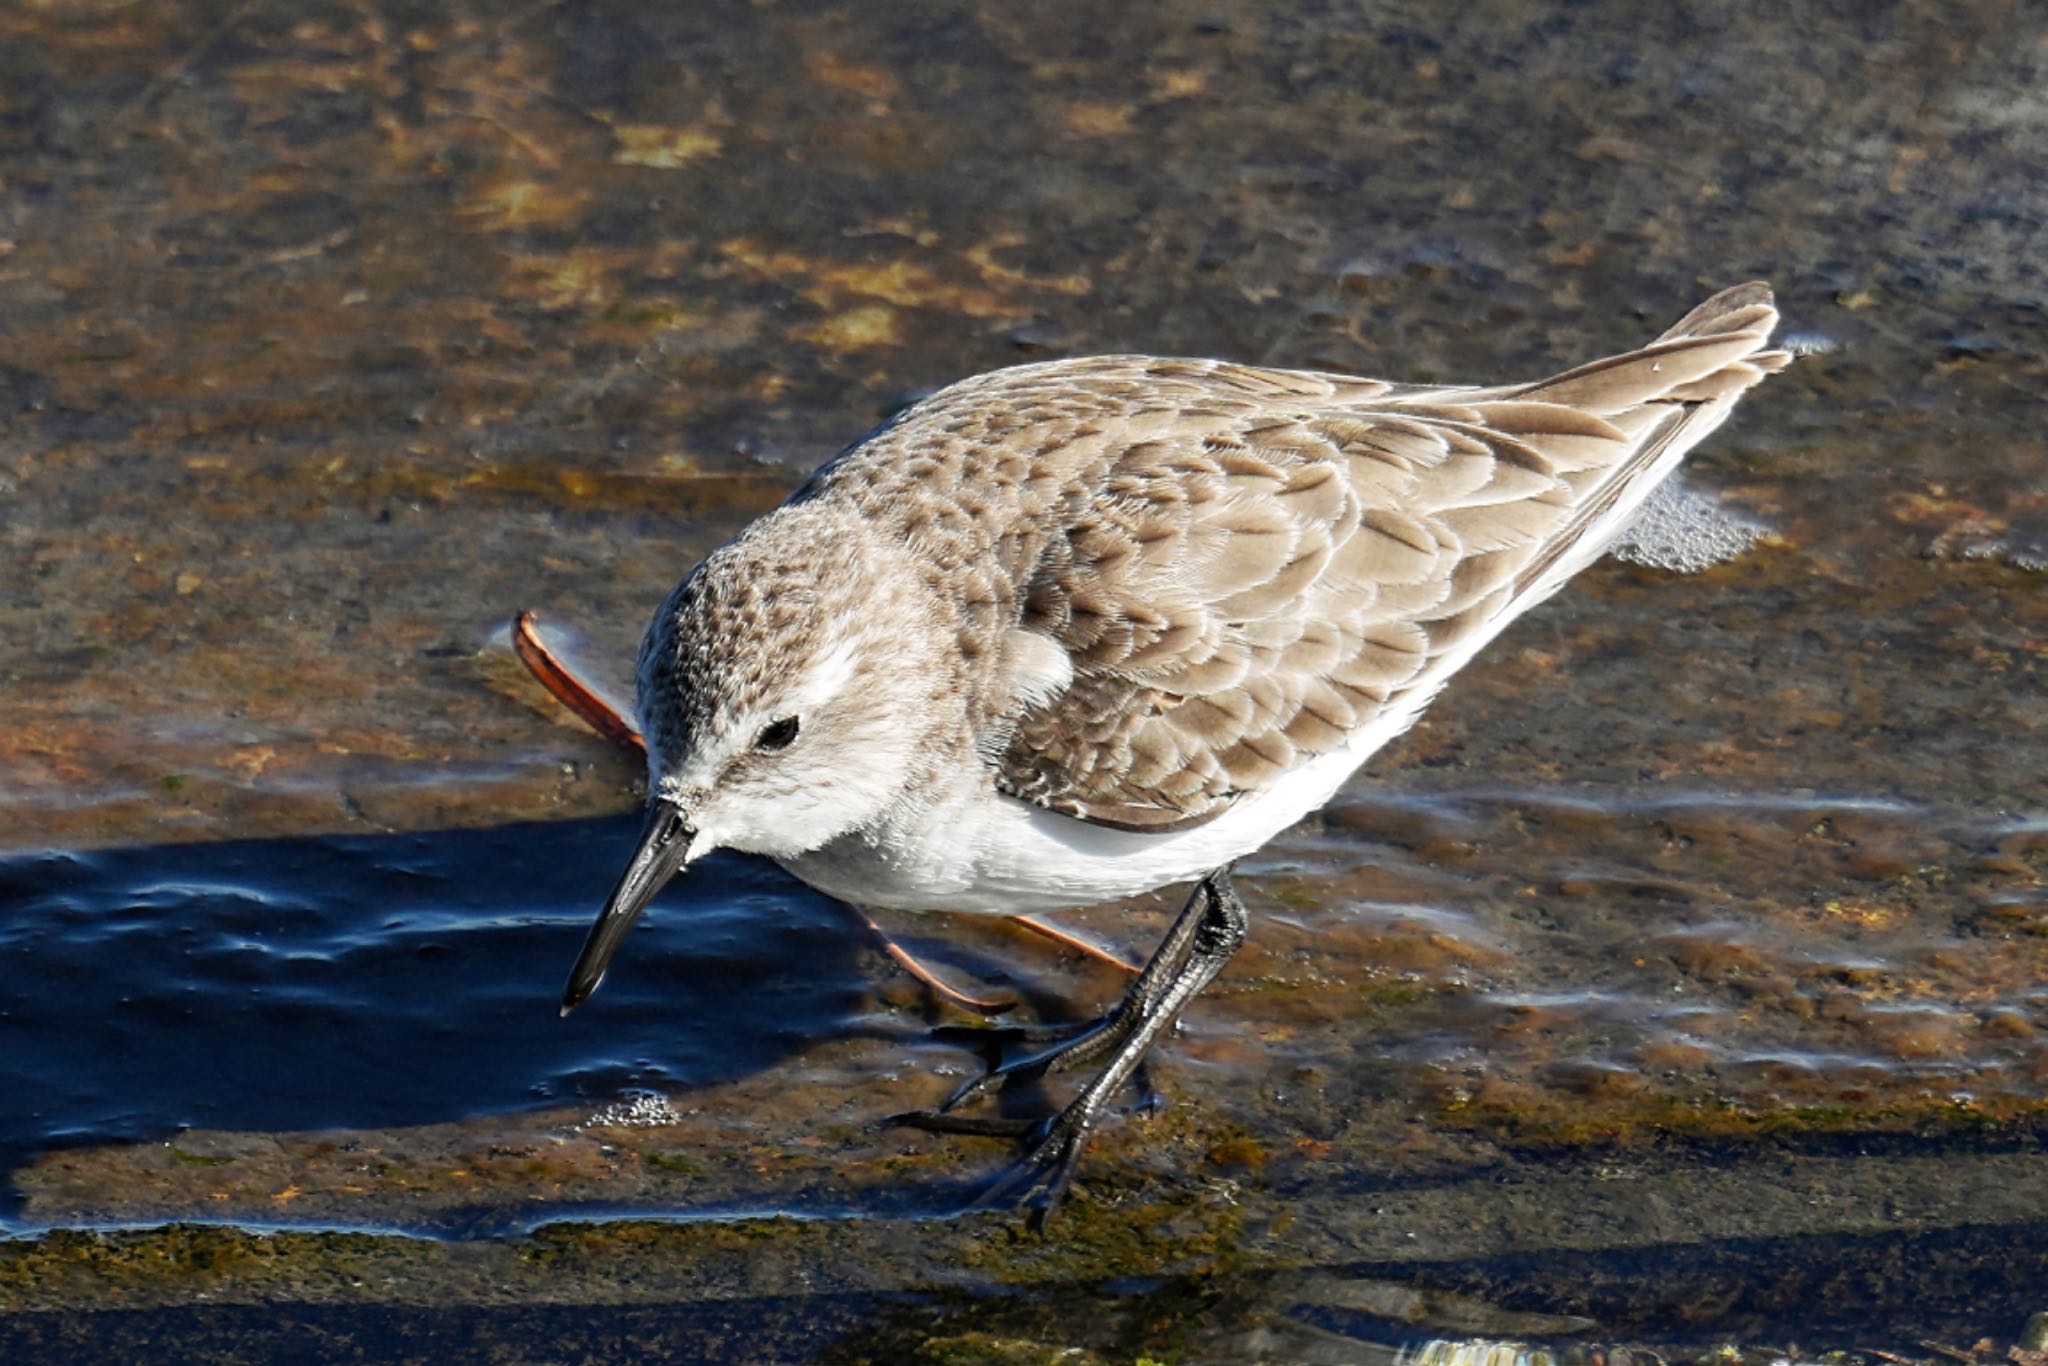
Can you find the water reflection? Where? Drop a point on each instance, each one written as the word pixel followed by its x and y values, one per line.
pixel 377 981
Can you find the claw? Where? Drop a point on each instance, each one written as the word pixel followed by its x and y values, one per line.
pixel 1042 1175
pixel 981 1126
pixel 1209 928
pixel 1068 1044
pixel 1047 1169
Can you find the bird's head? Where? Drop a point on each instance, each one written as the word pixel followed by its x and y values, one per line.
pixel 790 690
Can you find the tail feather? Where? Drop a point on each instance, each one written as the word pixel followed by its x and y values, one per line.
pixel 1714 350
pixel 1682 386
pixel 1737 308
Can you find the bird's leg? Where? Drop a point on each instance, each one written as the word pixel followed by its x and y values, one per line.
pixel 1068 939
pixel 572 692
pixel 1202 939
pixel 1076 1045
pixel 981 1005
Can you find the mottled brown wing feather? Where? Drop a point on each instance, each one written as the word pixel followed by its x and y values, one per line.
pixel 1280 555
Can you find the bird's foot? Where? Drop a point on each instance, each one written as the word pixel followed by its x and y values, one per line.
pixel 1042 1176
pixel 1069 1045
pixel 981 1126
pixel 1201 939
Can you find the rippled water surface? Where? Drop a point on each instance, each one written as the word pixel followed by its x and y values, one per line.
pixel 1549 968
pixel 368 981
pixel 1680 978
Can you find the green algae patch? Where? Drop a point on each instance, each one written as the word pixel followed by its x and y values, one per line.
pixel 980 1347
pixel 183 1263
pixel 1114 1232
pixel 680 1163
pixel 1200 1247
pixel 199 1159
pixel 1535 1121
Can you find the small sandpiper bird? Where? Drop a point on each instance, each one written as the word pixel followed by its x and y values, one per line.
pixel 1074 631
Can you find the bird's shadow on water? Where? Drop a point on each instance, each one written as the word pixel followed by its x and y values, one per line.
pixel 387 980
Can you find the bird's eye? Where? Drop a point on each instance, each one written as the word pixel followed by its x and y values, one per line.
pixel 776 735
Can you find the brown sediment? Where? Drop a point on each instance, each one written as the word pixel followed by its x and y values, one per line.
pixel 430 336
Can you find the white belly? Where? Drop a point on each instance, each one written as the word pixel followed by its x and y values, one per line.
pixel 979 851
pixel 1011 858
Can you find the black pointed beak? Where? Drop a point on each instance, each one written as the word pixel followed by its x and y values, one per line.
pixel 664 845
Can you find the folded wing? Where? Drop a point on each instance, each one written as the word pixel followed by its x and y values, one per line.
pixel 1283 556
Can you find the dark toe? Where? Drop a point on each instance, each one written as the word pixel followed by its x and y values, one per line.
pixel 988 1126
pixel 1043 1175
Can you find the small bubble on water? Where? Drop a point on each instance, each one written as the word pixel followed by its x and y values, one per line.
pixel 1809 343
pixel 634 1110
pixel 1684 531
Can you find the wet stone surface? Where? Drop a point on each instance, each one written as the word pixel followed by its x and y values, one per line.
pixel 1692 946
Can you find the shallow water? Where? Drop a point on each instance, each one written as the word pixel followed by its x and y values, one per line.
pixel 157 989
pixel 1527 960
pixel 1694 943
